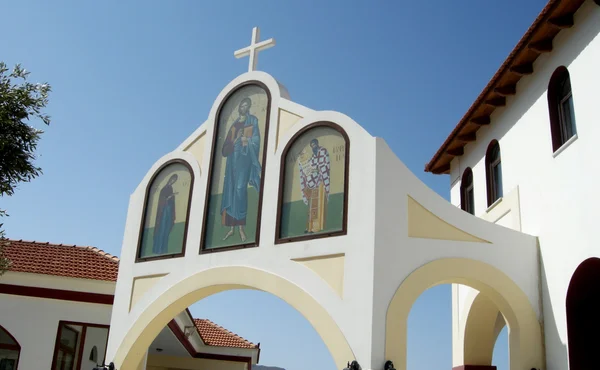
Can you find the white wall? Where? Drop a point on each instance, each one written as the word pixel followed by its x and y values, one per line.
pixel 34 324
pixel 558 194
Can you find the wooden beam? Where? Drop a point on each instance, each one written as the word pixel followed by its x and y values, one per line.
pixel 496 102
pixel 542 46
pixel 481 120
pixel 506 90
pixel 522 69
pixel 565 21
pixel 441 169
pixel 467 138
pixel 456 151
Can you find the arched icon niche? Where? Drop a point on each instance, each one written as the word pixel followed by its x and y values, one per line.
pixel 313 194
pixel 236 173
pixel 166 212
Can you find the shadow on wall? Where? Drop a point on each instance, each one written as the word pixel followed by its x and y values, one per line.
pixel 556 350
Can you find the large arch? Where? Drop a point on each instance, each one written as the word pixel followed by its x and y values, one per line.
pixel 208 282
pixel 525 336
pixel 583 322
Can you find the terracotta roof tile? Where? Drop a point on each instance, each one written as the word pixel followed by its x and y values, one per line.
pixel 215 335
pixel 60 260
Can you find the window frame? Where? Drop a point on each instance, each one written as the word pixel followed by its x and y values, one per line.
pixel 467 191
pixel 81 345
pixel 558 95
pixel 493 160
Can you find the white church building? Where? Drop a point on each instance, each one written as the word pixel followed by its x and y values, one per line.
pixel 270 195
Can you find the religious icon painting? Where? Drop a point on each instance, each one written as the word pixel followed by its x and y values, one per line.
pixel 236 174
pixel 314 188
pixel 166 212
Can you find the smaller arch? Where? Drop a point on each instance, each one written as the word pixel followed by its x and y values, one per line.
pixel 525 336
pixel 583 323
pixel 9 345
pixel 493 172
pixel 163 203
pixel 313 179
pixel 561 107
pixel 467 192
pixel 483 325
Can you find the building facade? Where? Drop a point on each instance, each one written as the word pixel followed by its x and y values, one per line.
pixel 55 310
pixel 522 158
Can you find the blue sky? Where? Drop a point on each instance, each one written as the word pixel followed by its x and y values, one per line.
pixel 131 80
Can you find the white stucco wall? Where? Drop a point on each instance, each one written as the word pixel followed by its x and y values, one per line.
pixel 557 193
pixel 34 324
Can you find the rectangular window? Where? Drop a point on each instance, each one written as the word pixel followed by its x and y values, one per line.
pixel 470 206
pixel 497 168
pixel 74 343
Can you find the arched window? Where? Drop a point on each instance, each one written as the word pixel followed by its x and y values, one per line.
pixel 94 354
pixel 239 147
pixel 166 212
pixel 9 350
pixel 561 108
pixel 493 172
pixel 313 188
pixel 467 196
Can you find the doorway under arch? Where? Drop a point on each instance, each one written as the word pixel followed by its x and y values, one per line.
pixel 200 285
pixel 525 336
pixel 583 321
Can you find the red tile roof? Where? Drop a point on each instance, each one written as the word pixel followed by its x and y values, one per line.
pixel 60 260
pixel 215 335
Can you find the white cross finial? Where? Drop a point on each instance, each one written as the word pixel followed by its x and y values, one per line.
pixel 254 48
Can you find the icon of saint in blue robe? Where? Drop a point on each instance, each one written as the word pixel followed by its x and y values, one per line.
pixel 242 168
pixel 165 217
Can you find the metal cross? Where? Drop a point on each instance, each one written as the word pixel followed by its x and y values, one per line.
pixel 254 48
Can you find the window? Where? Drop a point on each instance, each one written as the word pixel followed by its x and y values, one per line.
pixel 493 171
pixel 561 108
pixel 9 351
pixel 67 348
pixel 467 196
pixel 79 345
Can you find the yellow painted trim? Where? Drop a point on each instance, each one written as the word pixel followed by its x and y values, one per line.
pixel 525 334
pixel 140 285
pixel 285 121
pixel 329 267
pixel 208 282
pixel 422 223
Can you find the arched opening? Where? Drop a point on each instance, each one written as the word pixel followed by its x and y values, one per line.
pixel 561 108
pixel 10 350
pixel 447 330
pixel 467 192
pixel 493 172
pixel 525 337
pixel 583 321
pixel 182 294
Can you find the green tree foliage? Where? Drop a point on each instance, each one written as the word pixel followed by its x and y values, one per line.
pixel 20 102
